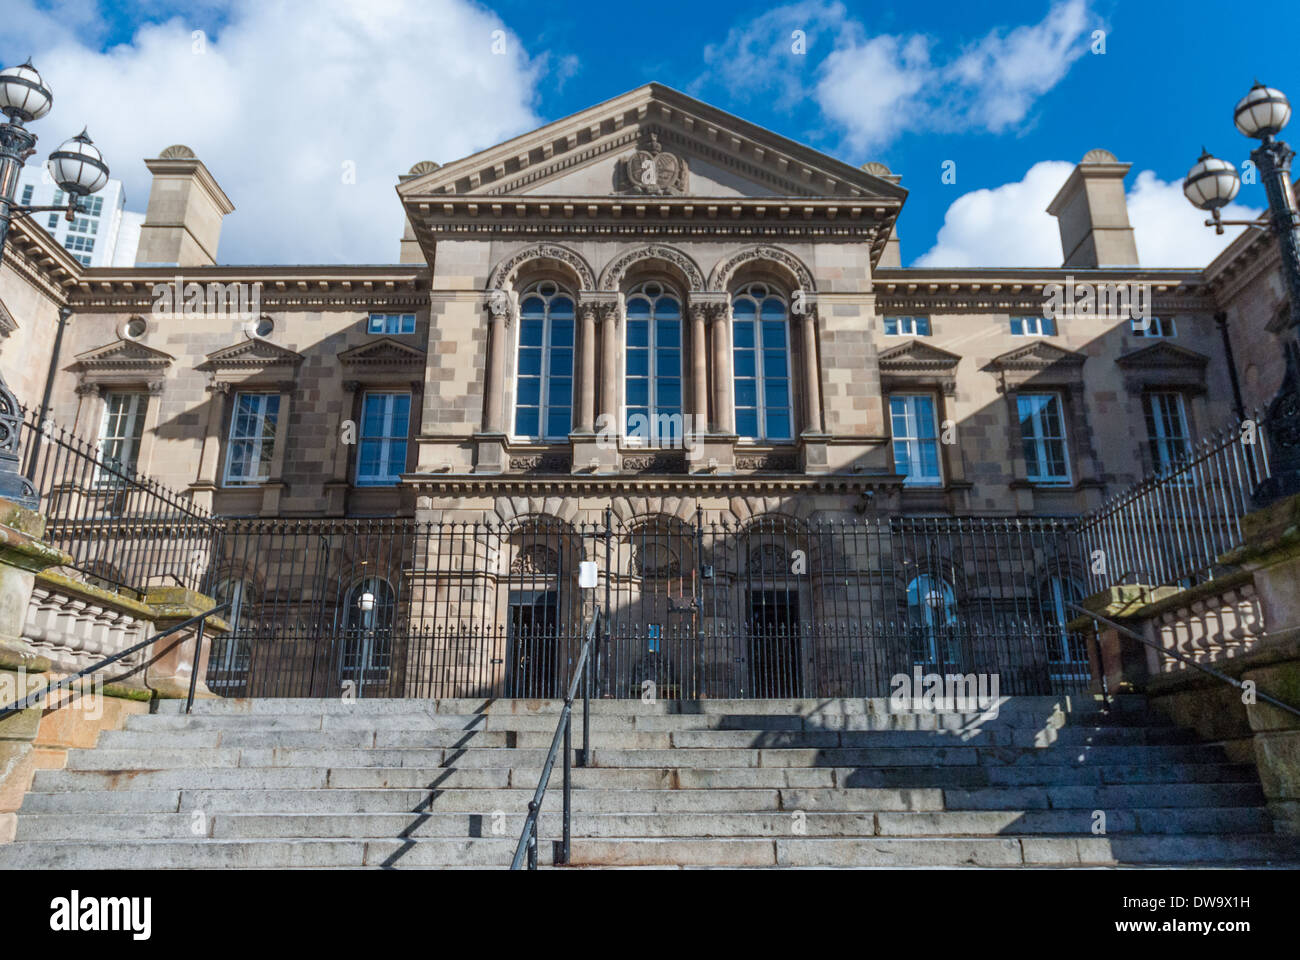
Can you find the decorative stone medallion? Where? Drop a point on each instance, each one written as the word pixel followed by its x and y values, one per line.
pixel 653 170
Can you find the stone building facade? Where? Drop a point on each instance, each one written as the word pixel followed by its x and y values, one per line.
pixel 651 255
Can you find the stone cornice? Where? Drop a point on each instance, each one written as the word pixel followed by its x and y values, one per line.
pixel 1008 290
pixel 33 255
pixel 639 484
pixel 667 219
pixel 130 289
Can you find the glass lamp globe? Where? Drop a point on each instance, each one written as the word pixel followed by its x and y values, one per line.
pixel 23 94
pixel 1263 112
pixel 78 167
pixel 367 601
pixel 1212 183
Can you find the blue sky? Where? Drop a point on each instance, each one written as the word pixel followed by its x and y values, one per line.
pixel 285 95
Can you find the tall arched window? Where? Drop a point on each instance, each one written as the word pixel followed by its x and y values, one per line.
pixel 368 630
pixel 932 616
pixel 230 655
pixel 544 385
pixel 1057 592
pixel 761 338
pixel 654 364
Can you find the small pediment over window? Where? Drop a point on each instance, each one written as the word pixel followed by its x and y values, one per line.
pixel 1164 356
pixel 383 353
pixel 122 355
pixel 251 354
pixel 917 357
pixel 1037 357
pixel 7 322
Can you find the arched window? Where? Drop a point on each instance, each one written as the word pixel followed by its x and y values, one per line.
pixel 761 338
pixel 228 660
pixel 544 384
pixel 654 365
pixel 932 617
pixel 1057 592
pixel 368 630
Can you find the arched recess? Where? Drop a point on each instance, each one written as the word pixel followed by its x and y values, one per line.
pixel 758 261
pixel 538 259
pixel 653 258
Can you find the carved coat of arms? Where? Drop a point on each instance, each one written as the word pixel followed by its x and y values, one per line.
pixel 653 170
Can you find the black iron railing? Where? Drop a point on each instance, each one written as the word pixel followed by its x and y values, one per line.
pixel 1171 528
pixel 563 740
pixel 771 608
pixel 123 531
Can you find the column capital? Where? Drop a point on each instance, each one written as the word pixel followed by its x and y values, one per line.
pixel 499 305
pixel 602 303
pixel 712 304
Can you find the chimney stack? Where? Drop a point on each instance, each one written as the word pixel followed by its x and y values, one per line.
pixel 1092 214
pixel 182 225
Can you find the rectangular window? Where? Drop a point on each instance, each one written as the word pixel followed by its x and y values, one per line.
pixel 1155 327
pixel 79 244
pixel 907 326
pixel 84 225
pixel 1167 429
pixel 53 222
pixel 93 206
pixel 385 425
pixel 916 439
pixel 1033 327
pixel 119 435
pixel 58 199
pixel 391 323
pixel 1042 431
pixel 253 427
pixel 27 195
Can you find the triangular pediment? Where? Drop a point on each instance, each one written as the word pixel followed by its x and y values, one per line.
pixel 7 322
pixel 1164 356
pixel 1038 355
pixel 651 141
pixel 252 352
pixel 384 352
pixel 122 353
pixel 916 355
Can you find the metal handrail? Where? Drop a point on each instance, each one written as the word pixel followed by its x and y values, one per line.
pixel 31 700
pixel 1260 694
pixel 563 735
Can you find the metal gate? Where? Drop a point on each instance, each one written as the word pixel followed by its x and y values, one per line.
pixel 773 608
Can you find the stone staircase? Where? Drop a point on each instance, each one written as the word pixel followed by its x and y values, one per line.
pixel 734 783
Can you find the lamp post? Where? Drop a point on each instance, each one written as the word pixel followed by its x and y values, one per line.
pixel 1211 185
pixel 78 168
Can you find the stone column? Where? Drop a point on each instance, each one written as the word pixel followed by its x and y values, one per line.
pixel 700 376
pixel 811 375
pixel 494 389
pixel 587 366
pixel 491 439
pixel 724 408
pixel 609 364
pixel 206 482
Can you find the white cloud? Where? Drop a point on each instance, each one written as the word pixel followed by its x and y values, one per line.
pixel 1170 232
pixel 995 82
pixel 1003 226
pixel 1009 226
pixel 284 96
pixel 767 55
pixel 872 87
